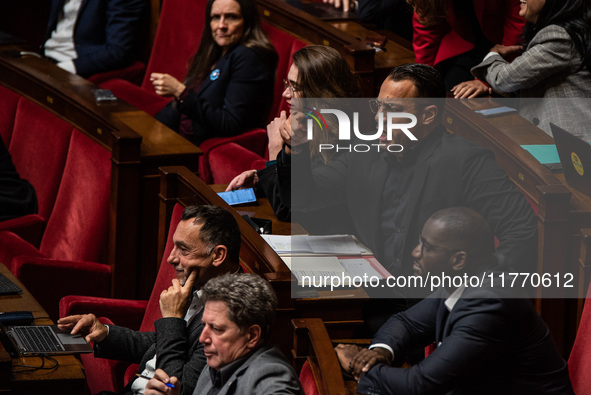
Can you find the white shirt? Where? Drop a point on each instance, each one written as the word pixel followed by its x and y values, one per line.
pixel 60 46
pixel 139 384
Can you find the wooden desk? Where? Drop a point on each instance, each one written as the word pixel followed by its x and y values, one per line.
pixel 178 185
pixel 139 145
pixel 68 377
pixel 345 36
pixel 262 209
pixel 397 50
pixel 324 11
pixel 564 214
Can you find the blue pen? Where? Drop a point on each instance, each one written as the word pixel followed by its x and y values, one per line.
pixel 169 385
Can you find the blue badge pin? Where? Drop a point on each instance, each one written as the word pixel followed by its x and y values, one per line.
pixel 214 74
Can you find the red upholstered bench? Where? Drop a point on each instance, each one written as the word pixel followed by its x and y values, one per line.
pixel 107 375
pixel 177 39
pixel 53 252
pixel 173 47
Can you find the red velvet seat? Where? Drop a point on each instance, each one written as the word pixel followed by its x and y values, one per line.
pixel 106 375
pixel 579 361
pixel 133 73
pixel 7 113
pixel 177 39
pixel 38 143
pixel 39 147
pixel 307 380
pixel 72 176
pixel 171 52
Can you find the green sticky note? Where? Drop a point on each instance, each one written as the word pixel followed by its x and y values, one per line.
pixel 546 153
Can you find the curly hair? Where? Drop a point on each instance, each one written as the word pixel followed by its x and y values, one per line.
pixel 249 298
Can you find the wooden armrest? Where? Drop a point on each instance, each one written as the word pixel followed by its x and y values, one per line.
pixel 311 343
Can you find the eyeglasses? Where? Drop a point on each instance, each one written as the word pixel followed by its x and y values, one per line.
pixel 429 247
pixel 290 86
pixel 376 105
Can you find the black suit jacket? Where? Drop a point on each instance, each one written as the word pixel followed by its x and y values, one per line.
pixel 235 97
pixel 450 171
pixel 491 343
pixel 179 352
pixel 105 33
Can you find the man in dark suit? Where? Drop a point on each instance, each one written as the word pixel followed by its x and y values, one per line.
pixel 87 37
pixel 489 338
pixel 238 316
pixel 389 196
pixel 206 245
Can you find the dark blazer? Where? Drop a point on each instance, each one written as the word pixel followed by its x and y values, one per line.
pixel 234 98
pixel 491 343
pixel 179 352
pixel 105 33
pixel 450 171
pixel 266 371
pixel 268 184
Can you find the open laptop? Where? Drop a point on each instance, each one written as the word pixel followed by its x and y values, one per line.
pixel 27 340
pixel 575 157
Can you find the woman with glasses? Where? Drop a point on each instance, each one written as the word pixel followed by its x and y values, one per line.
pixel 229 85
pixel 317 71
pixel 555 64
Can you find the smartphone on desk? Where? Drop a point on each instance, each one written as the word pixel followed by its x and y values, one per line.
pixel 493 112
pixel 104 96
pixel 238 196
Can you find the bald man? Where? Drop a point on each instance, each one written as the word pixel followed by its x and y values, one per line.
pixel 489 338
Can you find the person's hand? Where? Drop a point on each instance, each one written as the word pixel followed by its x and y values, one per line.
pixel 337 4
pixel 294 130
pixel 275 140
pixel 157 384
pixel 174 301
pixel 358 360
pixel 86 325
pixel 507 52
pixel 470 89
pixel 285 133
pixel 166 85
pixel 247 179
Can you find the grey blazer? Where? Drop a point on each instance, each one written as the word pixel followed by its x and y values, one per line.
pixel 547 70
pixel 266 372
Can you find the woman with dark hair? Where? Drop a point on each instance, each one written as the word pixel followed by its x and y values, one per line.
pixel 229 85
pixel 317 71
pixel 555 64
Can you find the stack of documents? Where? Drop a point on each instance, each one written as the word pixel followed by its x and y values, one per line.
pixel 316 259
pixel 305 244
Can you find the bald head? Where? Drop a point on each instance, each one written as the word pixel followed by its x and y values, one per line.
pixel 464 229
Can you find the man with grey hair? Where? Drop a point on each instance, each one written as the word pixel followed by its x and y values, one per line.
pixel 237 320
